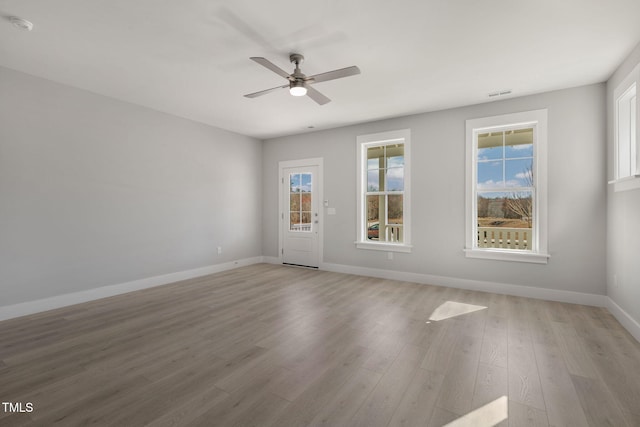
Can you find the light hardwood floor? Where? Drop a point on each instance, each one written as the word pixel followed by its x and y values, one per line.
pixel 281 346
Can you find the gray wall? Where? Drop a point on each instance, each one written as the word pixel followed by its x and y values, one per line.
pixel 623 217
pixel 577 192
pixel 95 191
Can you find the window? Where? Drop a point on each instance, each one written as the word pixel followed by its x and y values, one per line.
pixel 384 191
pixel 300 202
pixel 506 188
pixel 627 164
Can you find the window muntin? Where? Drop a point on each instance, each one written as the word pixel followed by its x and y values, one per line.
pixel 506 187
pixel 383 164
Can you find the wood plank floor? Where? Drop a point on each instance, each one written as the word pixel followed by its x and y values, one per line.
pixel 269 345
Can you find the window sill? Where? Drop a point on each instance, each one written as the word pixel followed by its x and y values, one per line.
pixel 627 183
pixel 387 247
pixel 508 255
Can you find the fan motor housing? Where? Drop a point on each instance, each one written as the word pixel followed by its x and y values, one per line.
pixel 296 58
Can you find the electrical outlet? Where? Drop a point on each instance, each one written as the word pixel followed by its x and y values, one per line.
pixel 389 255
pixel 219 250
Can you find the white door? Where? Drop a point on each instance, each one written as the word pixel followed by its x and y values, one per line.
pixel 300 215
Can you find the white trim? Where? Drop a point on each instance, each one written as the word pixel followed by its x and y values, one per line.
pixel 627 183
pixel 284 164
pixel 58 301
pixel 272 259
pixel 538 120
pixel 384 246
pixel 628 322
pixel 45 304
pixel 633 78
pixel 383 138
pixel 474 285
pixel 507 255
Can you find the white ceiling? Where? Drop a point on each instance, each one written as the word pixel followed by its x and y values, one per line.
pixel 190 58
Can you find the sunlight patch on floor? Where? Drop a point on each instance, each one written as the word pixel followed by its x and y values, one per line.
pixel 485 416
pixel 452 309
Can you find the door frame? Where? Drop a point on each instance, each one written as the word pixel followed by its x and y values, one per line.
pixel 284 164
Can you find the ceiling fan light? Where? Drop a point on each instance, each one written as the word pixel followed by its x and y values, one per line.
pixel 297 89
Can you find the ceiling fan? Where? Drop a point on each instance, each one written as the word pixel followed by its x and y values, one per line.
pixel 300 84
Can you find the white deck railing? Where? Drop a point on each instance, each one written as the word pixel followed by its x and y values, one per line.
pixel 300 227
pixel 393 233
pixel 506 238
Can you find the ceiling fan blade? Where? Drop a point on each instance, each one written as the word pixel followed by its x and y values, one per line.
pixel 335 74
pixel 264 92
pixel 270 65
pixel 316 96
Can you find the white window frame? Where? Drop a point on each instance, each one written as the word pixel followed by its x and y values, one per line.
pixel 402 136
pixel 629 137
pixel 536 119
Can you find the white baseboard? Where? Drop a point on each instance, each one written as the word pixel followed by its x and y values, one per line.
pixel 272 260
pixel 629 323
pixel 31 307
pixel 474 285
pixel 45 304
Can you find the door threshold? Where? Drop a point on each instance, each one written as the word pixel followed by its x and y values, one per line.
pixel 299 265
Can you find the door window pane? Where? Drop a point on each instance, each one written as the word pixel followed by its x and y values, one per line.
pixel 305 221
pixel 300 186
pixel 294 183
pixel 294 220
pixel 306 201
pixel 294 202
pixel 305 182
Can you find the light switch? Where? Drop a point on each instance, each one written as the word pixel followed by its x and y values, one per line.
pixel 331 211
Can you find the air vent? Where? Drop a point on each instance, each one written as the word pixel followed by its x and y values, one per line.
pixel 499 93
